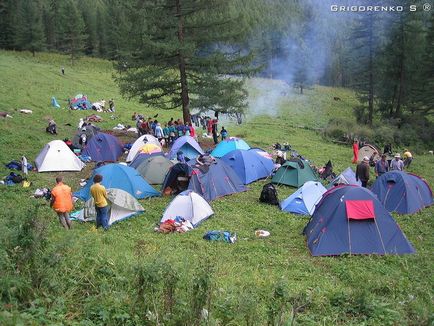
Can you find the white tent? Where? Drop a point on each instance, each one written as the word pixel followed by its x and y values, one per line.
pixel 122 206
pixel 56 156
pixel 190 206
pixel 303 201
pixel 139 143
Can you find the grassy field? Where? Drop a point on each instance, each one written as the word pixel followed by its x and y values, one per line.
pixel 131 275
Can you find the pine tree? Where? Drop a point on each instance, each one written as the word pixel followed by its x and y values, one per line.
pixel 183 56
pixel 8 26
pixel 73 37
pixel 30 34
pixel 53 25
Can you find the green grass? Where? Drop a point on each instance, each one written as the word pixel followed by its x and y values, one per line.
pixel 89 277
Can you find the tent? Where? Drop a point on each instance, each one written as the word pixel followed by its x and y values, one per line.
pixel 80 102
pixel 152 167
pixel 248 165
pixel 89 131
pixel 190 206
pixel 402 192
pixel 348 177
pixel 294 173
pixel 122 205
pixel 187 145
pixel 350 219
pixel 229 145
pixel 303 201
pixel 103 147
pixel 150 149
pixel 142 140
pixel 368 150
pixel 56 156
pixel 210 181
pixel 122 177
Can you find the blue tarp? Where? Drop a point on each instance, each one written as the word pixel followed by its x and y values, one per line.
pixel 332 230
pixel 248 165
pixel 121 177
pixel 402 192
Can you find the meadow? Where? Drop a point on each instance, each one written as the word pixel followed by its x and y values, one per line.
pixel 131 275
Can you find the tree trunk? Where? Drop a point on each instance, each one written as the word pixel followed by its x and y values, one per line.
pixel 182 73
pixel 371 74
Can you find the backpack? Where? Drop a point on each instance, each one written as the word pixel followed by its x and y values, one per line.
pixel 269 195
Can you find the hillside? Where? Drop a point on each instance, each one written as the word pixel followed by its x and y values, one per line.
pixel 131 275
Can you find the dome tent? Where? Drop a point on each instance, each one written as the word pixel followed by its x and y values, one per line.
pixel 187 145
pixel 350 219
pixel 347 177
pixel 248 165
pixel 120 177
pixel 89 131
pixel 229 145
pixel 402 192
pixel 139 143
pixel 369 151
pixel 294 173
pixel 190 206
pixel 56 156
pixel 303 201
pixel 103 147
pixel 152 167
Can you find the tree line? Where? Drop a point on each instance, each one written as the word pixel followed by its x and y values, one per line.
pixel 195 53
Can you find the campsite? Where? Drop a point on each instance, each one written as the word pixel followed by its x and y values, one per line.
pixel 330 253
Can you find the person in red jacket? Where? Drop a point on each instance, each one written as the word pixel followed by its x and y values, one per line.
pixel 61 202
pixel 355 151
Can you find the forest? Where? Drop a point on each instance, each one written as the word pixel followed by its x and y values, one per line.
pixel 178 53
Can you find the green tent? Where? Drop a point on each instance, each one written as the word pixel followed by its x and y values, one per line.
pixel 152 168
pixel 294 173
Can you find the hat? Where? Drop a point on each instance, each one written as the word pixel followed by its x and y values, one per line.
pixel 397 155
pixel 366 158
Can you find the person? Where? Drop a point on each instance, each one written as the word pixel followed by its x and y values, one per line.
pixel 24 166
pixel 61 202
pixel 181 158
pixel 362 171
pixel 83 139
pixel 99 195
pixel 355 151
pixel 166 134
pixel 397 164
pixel 280 158
pixel 172 132
pixel 192 131
pixel 63 70
pixel 381 166
pixel 214 131
pixel 111 105
pixel 408 158
pixel 387 149
pixel 159 132
pixel 51 129
pixel 80 123
pixel 223 133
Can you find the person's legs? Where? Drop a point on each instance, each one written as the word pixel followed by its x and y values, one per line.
pixel 105 217
pixel 98 217
pixel 62 220
pixel 67 220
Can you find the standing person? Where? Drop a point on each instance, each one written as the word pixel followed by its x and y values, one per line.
pixel 397 164
pixel 362 171
pixel 355 151
pixel 61 202
pixel 159 132
pixel 172 133
pixel 166 134
pixel 381 166
pixel 214 131
pixel 99 195
pixel 224 133
pixel 192 131
pixel 63 70
pixel 408 158
pixel 24 166
pixel 111 105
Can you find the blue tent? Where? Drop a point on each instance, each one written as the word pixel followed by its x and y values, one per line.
pixel 402 192
pixel 210 181
pixel 122 177
pixel 187 145
pixel 350 219
pixel 54 103
pixel 248 165
pixel 303 201
pixel 103 147
pixel 229 145
pixel 348 177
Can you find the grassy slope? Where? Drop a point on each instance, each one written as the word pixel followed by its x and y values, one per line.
pixel 345 290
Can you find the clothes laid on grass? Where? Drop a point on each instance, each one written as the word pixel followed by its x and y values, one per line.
pixel 15 165
pixel 223 236
pixel 178 224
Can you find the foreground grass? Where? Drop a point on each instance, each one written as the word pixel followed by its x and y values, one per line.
pixel 89 277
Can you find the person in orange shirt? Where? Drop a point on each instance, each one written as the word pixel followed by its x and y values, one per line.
pixel 61 202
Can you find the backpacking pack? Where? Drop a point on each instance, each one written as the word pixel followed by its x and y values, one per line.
pixel 269 195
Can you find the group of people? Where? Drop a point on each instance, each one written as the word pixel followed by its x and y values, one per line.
pixel 62 203
pixel 382 166
pixel 174 129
